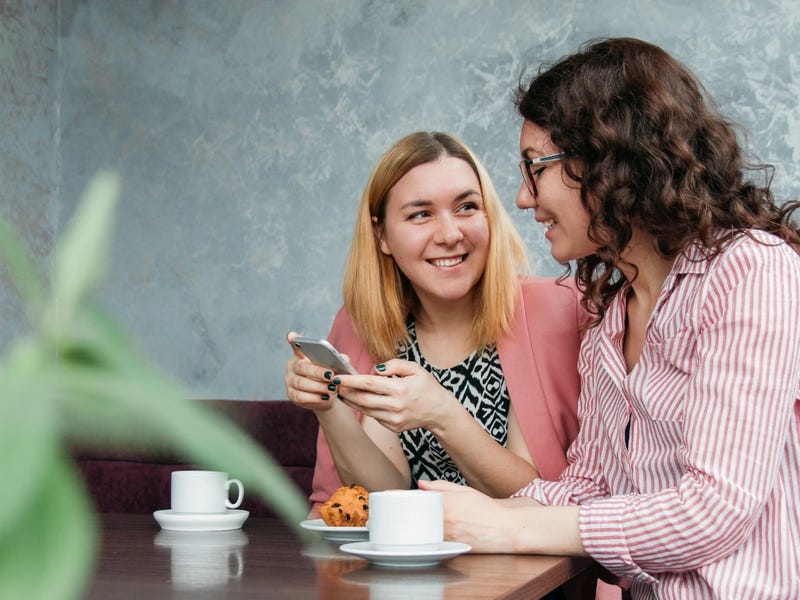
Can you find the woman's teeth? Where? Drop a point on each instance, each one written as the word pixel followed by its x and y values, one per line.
pixel 447 262
pixel 548 224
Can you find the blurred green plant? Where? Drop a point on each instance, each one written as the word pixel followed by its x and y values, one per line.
pixel 78 376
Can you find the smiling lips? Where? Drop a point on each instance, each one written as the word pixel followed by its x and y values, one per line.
pixel 451 261
pixel 548 224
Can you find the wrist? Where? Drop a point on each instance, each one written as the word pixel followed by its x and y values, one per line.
pixel 447 416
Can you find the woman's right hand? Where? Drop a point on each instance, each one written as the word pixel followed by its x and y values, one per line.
pixel 374 460
pixel 306 383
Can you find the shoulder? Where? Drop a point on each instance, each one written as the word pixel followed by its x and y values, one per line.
pixel 550 296
pixel 755 253
pixel 754 272
pixel 546 287
pixel 345 338
pixel 343 335
pixel 549 304
pixel 342 329
pixel 756 247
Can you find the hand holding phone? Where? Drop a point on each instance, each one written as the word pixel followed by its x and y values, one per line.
pixel 322 352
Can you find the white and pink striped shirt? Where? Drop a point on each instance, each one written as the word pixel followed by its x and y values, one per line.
pixel 704 501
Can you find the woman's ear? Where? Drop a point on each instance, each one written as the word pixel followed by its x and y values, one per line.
pixel 377 229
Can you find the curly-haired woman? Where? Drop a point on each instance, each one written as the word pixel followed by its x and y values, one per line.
pixel 684 475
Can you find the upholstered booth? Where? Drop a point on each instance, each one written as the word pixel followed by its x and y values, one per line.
pixel 135 481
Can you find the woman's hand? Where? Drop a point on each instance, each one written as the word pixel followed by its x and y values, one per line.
pixel 473 518
pixel 510 525
pixel 308 385
pixel 402 396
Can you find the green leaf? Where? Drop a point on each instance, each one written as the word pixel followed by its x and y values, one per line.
pixel 49 554
pixel 22 270
pixel 159 412
pixel 202 435
pixel 82 255
pixel 84 372
pixel 28 428
pixel 162 413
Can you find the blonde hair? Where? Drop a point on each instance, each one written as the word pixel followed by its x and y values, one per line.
pixel 378 297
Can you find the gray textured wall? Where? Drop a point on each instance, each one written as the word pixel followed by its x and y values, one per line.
pixel 245 130
pixel 28 152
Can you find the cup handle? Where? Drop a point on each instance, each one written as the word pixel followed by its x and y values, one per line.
pixel 239 498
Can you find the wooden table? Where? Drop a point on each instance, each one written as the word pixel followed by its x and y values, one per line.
pixel 266 559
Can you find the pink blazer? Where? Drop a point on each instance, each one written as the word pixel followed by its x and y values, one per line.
pixel 539 357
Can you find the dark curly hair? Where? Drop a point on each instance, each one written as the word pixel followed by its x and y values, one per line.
pixel 650 150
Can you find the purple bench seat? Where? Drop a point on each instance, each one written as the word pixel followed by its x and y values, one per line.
pixel 136 481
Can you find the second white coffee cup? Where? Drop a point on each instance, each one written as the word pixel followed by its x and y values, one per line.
pixel 406 520
pixel 203 492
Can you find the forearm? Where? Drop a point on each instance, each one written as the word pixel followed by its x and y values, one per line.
pixel 518 525
pixel 356 456
pixel 546 530
pixel 486 465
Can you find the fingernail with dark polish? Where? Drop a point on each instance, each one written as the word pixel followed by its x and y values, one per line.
pixel 324 396
pixel 380 368
pixel 337 381
pixel 331 387
pixel 327 375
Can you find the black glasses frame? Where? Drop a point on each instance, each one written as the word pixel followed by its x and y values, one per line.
pixel 527 172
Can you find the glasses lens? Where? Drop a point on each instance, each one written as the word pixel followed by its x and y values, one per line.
pixel 530 183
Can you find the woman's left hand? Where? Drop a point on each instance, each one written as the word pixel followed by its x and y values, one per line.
pixel 405 396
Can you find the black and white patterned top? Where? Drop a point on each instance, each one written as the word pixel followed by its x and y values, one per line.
pixel 479 385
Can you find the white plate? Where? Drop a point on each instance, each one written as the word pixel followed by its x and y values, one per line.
pixel 230 519
pixel 413 558
pixel 336 534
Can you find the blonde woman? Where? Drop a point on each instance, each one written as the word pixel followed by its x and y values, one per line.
pixel 467 369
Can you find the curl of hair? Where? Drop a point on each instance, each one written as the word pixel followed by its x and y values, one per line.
pixel 651 151
pixel 378 296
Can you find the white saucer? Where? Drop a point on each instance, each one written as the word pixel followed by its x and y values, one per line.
pixel 230 519
pixel 407 559
pixel 337 534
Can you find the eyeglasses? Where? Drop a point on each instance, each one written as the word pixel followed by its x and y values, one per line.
pixel 530 174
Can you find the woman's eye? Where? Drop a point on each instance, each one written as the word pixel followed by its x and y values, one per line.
pixel 418 215
pixel 468 207
pixel 539 171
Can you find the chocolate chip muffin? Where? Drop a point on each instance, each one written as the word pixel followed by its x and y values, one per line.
pixel 347 507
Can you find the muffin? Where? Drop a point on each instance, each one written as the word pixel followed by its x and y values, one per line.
pixel 347 507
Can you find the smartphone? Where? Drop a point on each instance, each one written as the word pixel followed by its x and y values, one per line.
pixel 322 352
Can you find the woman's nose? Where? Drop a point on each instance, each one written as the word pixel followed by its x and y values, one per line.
pixel 449 232
pixel 524 197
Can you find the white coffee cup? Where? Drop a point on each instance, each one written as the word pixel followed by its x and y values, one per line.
pixel 203 492
pixel 405 520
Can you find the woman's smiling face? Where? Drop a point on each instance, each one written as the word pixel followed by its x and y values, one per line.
pixel 557 205
pixel 436 230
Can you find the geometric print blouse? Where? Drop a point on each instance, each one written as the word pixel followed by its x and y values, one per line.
pixel 479 386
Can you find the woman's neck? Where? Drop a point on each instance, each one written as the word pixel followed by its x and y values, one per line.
pixel 444 332
pixel 649 269
pixel 647 274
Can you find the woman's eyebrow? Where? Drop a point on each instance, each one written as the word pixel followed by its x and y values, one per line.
pixel 530 150
pixel 467 194
pixel 416 203
pixel 421 202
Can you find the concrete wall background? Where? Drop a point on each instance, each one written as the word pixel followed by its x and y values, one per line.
pixel 28 142
pixel 245 130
